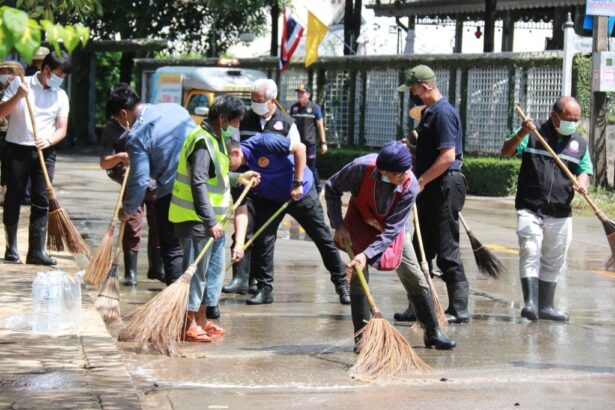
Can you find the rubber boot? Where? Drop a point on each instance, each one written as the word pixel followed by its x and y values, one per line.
pixel 130 268
pixel 212 312
pixel 458 293
pixel 546 295
pixel 11 255
pixel 361 314
pixel 156 266
pixel 343 292
pixel 264 296
pixel 530 298
pixel 406 316
pixel 239 283
pixel 253 289
pixel 37 237
pixel 426 314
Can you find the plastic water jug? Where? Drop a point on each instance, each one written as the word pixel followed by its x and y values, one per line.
pixel 71 300
pixel 46 302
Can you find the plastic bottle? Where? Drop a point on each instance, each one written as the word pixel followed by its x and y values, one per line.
pixel 71 300
pixel 46 302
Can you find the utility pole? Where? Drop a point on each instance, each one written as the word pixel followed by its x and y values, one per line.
pixel 597 135
pixel 275 16
pixel 490 8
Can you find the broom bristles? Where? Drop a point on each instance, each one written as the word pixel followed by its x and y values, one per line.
pixel 385 354
pixel 108 300
pixel 99 265
pixel 488 264
pixel 62 233
pixel 157 325
pixel 609 229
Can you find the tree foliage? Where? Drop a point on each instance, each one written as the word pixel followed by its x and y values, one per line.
pixel 52 9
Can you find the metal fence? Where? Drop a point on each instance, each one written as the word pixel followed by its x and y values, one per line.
pixel 362 106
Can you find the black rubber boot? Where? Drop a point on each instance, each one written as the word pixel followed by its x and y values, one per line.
pixel 426 314
pixel 530 298
pixel 11 255
pixel 239 283
pixel 546 296
pixel 264 296
pixel 37 237
pixel 212 312
pixel 130 268
pixel 342 290
pixel 359 310
pixel 156 266
pixel 458 293
pixel 253 289
pixel 406 316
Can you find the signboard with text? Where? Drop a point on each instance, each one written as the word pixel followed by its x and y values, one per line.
pixel 167 88
pixel 600 8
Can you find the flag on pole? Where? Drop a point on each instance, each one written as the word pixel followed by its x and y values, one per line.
pixel 291 35
pixel 316 31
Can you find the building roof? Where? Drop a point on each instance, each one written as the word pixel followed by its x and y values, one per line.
pixel 399 8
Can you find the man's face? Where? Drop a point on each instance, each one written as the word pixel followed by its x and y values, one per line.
pixel 303 97
pixel 261 105
pixel 48 72
pixel 126 118
pixel 571 112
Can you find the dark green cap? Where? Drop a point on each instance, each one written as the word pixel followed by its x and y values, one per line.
pixel 419 74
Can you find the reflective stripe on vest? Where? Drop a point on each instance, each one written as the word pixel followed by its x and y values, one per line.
pixel 218 192
pixel 548 154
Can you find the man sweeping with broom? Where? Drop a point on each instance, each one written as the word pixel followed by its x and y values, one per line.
pixel 200 201
pixel 544 195
pixel 383 191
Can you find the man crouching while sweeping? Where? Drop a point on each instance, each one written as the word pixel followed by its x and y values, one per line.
pixel 383 191
pixel 200 201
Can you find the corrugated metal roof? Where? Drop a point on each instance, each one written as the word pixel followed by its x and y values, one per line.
pixel 452 7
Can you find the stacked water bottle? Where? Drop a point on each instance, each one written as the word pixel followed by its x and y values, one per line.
pixel 56 301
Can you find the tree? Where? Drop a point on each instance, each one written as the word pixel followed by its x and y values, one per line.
pixel 352 25
pixel 52 9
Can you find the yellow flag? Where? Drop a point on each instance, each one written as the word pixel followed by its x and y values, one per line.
pixel 316 31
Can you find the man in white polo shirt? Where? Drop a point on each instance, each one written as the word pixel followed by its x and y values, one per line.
pixel 50 107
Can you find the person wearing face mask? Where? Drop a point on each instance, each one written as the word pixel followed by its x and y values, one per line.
pixel 8 70
pixel 50 107
pixel 544 195
pixel 442 186
pixel 383 190
pixel 114 159
pixel 201 199
pixel 156 133
pixel 309 120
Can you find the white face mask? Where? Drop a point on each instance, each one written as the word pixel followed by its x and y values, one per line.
pixel 4 78
pixel 260 108
pixel 386 179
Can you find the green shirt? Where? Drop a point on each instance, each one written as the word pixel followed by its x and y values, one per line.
pixel 585 165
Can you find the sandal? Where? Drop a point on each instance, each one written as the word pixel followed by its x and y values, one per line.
pixel 213 329
pixel 196 334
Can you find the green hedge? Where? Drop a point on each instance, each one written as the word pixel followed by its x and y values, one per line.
pixel 487 176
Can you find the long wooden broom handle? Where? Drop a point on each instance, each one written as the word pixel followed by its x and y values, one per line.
pixel 419 236
pixel 364 285
pixel 563 166
pixel 262 228
pixel 118 204
pixel 464 223
pixel 41 157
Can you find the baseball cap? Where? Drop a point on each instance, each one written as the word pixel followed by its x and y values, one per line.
pixel 302 88
pixel 13 65
pixel 40 53
pixel 419 74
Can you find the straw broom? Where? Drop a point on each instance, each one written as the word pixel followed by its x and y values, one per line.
pixel 157 325
pixel 488 264
pixel 100 263
pixel 384 353
pixel 607 224
pixel 61 232
pixel 442 322
pixel 108 300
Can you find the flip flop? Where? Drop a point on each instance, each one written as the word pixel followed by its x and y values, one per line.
pixel 196 334
pixel 213 329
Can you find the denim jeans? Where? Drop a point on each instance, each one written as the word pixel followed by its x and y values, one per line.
pixel 206 283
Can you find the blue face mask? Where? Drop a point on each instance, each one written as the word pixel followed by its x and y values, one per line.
pixel 386 179
pixel 55 82
pixel 567 128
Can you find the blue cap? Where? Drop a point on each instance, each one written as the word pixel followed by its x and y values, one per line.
pixel 394 157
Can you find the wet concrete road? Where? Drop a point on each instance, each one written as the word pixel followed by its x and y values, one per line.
pixel 271 356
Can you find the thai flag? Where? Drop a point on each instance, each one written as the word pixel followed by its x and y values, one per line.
pixel 291 35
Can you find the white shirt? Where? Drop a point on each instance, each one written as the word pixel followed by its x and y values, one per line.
pixel 293 132
pixel 48 105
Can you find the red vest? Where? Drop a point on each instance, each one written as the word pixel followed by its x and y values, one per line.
pixel 362 220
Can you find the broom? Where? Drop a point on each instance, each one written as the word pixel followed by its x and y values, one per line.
pixel 607 224
pixel 108 300
pixel 100 263
pixel 61 231
pixel 425 268
pixel 384 353
pixel 157 325
pixel 488 264
pixel 262 228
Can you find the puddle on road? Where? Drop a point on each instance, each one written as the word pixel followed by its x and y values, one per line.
pixel 43 382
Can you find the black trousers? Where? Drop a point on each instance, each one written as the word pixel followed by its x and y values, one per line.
pixel 21 163
pixel 170 246
pixel 311 151
pixel 308 212
pixel 242 268
pixel 439 205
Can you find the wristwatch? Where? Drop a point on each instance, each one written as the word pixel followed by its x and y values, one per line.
pixel 297 182
pixel 323 142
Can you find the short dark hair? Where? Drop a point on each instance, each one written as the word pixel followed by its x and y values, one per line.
pixel 227 105
pixel 561 102
pixel 231 144
pixel 61 61
pixel 122 98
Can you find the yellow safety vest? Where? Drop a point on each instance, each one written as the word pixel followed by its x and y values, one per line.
pixel 218 187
